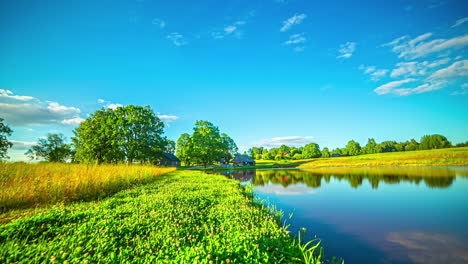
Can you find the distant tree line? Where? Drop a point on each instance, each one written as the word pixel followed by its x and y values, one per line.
pixel 352 148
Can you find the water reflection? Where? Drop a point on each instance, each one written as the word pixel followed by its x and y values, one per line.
pixel 431 248
pixel 386 220
pixel 313 178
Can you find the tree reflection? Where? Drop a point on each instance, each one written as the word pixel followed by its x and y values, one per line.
pixel 432 177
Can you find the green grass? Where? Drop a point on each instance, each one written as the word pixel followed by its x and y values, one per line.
pixel 181 217
pixel 436 157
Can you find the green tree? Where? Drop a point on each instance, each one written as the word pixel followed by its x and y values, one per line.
pixel 297 156
pixel 229 147
pixel 51 149
pixel 126 134
pixel 337 151
pixel 311 150
pixel 170 146
pixel 462 144
pixel 353 148
pixel 184 148
pixel 207 143
pixel 325 153
pixel 388 146
pixel 5 132
pixel 371 147
pixel 411 145
pixel 284 149
pixel 434 142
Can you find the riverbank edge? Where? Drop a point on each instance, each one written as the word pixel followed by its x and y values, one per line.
pixel 420 158
pixel 308 251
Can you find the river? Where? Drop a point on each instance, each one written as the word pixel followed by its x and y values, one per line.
pixel 373 215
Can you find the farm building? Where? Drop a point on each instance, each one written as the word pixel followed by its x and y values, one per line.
pixel 169 160
pixel 243 160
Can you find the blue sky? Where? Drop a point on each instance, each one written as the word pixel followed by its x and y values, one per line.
pixel 266 72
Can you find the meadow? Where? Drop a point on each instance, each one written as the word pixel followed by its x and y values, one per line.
pixel 24 185
pixel 180 217
pixel 435 157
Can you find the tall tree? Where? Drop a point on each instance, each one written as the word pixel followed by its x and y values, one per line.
pixel 5 132
pixel 388 146
pixel 97 138
pixel 325 153
pixel 353 148
pixel 311 150
pixel 207 143
pixel 371 147
pixel 230 148
pixel 51 149
pixel 126 134
pixel 411 145
pixel 434 142
pixel 184 148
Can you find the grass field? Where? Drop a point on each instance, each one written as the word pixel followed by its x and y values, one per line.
pixel 24 185
pixel 181 217
pixel 436 157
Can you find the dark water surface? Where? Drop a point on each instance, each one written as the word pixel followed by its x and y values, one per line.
pixel 374 215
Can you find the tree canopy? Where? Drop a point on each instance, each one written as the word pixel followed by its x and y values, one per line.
pixel 127 134
pixel 206 145
pixel 5 132
pixel 434 142
pixel 52 149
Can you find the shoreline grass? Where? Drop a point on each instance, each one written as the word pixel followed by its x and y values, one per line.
pixel 26 185
pixel 181 217
pixel 435 157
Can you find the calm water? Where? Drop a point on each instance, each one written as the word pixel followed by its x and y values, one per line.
pixel 374 215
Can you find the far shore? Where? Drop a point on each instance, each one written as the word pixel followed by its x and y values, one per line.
pixel 436 157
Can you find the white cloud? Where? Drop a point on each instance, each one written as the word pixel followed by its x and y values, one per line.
pixel 393 87
pixel 159 23
pixel 177 39
pixel 168 118
pixel 347 49
pixel 457 69
pixel 414 68
pixel 22 145
pixel 289 141
pixel 8 95
pixel 460 21
pixel 294 20
pixel 232 29
pixel 376 74
pixel 423 88
pixel 72 121
pixel 113 106
pixel 19 110
pixel 296 39
pixel 462 91
pixel 101 101
pixel 389 87
pixel 417 47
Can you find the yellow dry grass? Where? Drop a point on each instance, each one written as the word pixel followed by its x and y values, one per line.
pixel 25 185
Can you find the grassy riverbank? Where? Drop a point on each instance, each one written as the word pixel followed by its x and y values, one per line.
pixel 436 157
pixel 181 217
